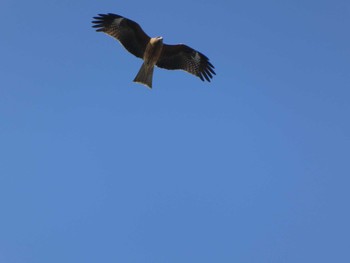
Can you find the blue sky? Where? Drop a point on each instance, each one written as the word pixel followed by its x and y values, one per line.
pixel 252 167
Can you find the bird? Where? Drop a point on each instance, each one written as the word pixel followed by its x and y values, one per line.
pixel 152 50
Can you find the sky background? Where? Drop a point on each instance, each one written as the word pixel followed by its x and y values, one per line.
pixel 252 167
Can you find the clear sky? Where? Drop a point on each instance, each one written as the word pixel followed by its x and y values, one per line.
pixel 252 167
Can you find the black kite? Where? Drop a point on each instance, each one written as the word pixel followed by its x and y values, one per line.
pixel 152 50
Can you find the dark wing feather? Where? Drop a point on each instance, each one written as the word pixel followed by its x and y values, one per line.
pixel 185 58
pixel 126 31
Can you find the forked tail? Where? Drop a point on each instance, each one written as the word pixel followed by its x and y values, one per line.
pixel 145 75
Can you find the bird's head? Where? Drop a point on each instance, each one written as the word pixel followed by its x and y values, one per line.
pixel 156 40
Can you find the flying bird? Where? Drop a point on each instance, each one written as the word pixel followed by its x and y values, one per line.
pixel 152 50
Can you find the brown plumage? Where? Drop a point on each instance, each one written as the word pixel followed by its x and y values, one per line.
pixel 152 50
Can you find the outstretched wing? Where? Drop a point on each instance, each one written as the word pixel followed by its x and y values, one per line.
pixel 185 58
pixel 126 31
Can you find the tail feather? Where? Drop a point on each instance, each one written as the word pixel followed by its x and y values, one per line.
pixel 145 75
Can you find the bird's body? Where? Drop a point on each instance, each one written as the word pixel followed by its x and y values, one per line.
pixel 150 58
pixel 152 50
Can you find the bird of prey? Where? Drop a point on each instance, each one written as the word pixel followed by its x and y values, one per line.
pixel 152 50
